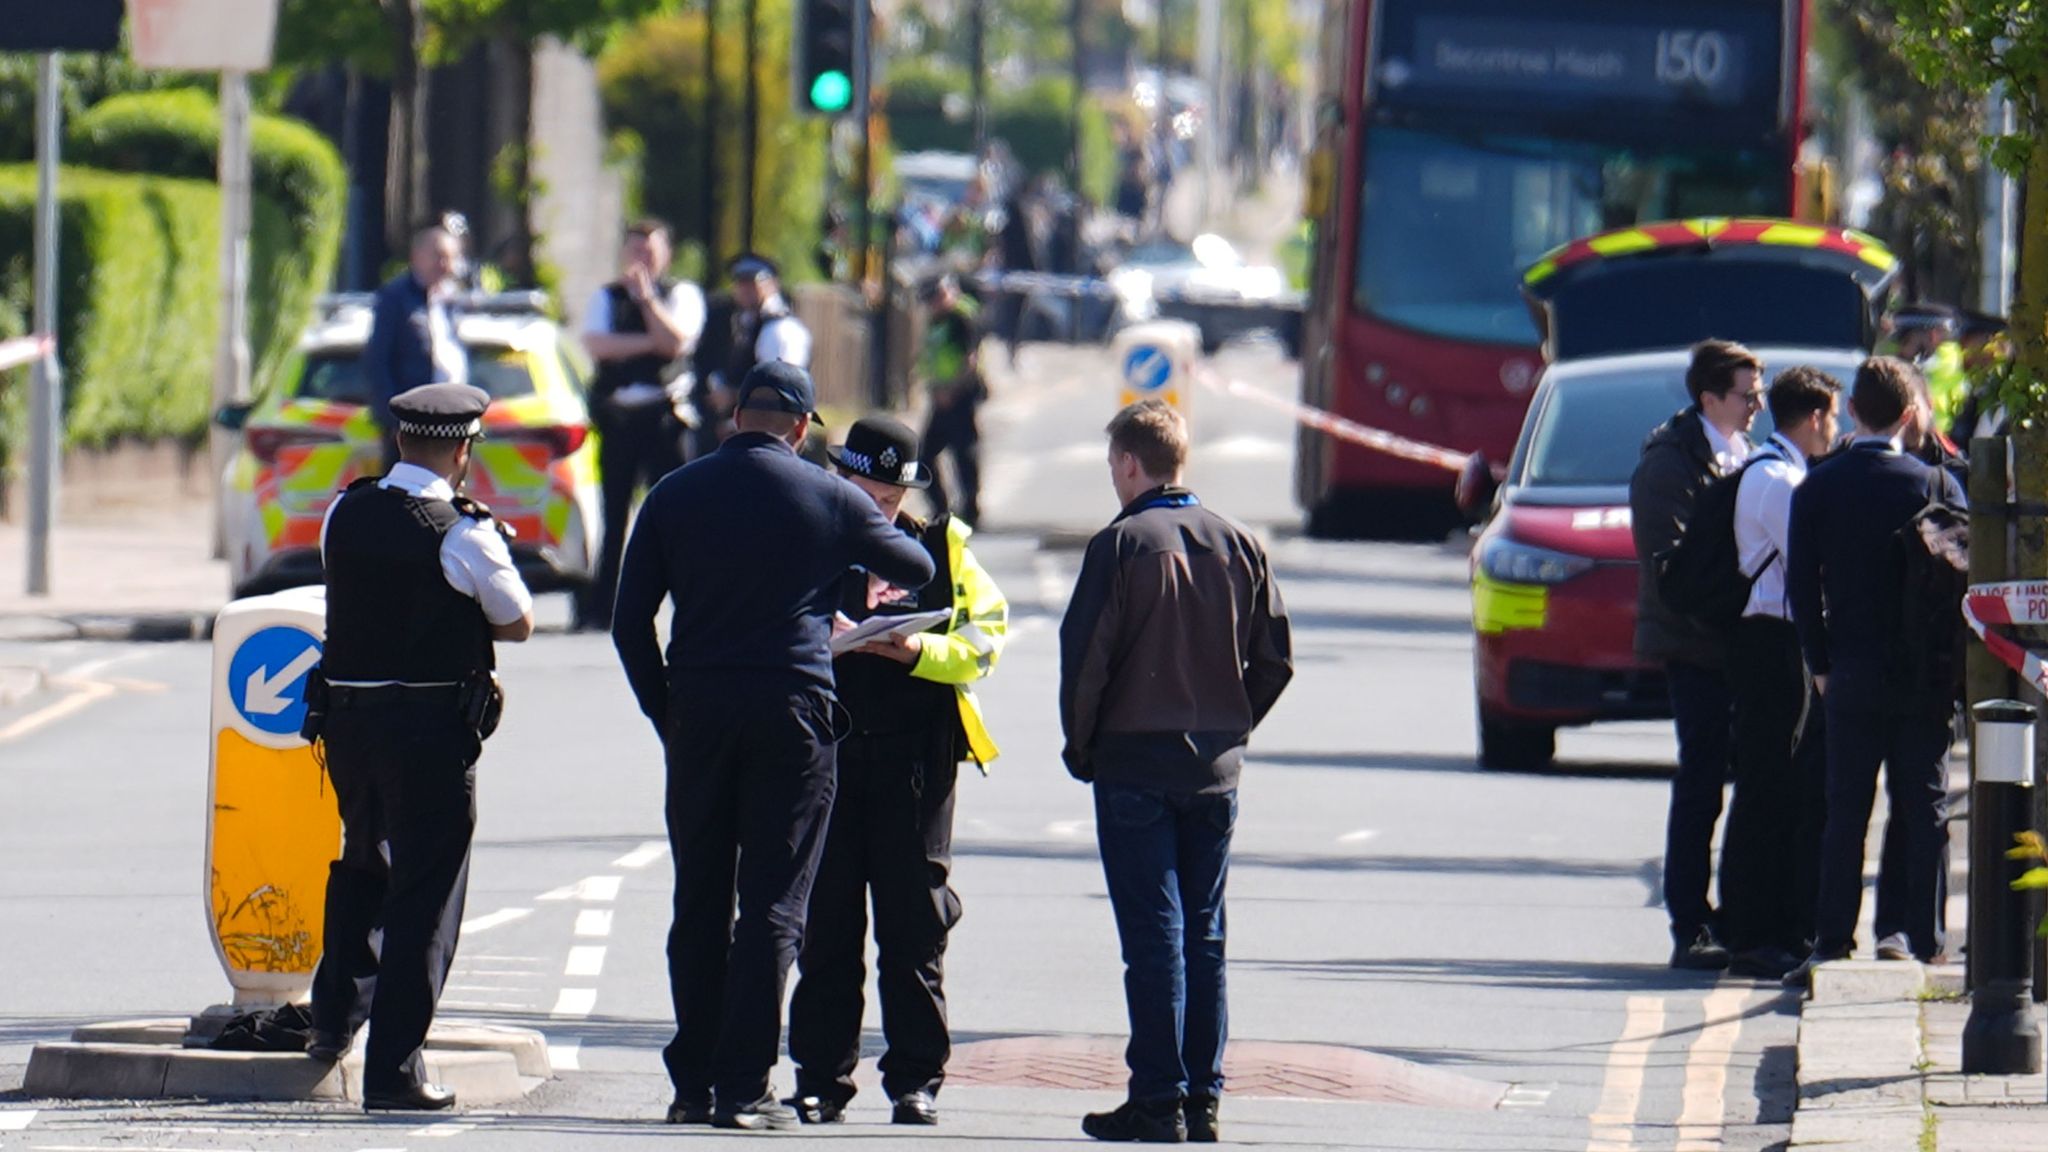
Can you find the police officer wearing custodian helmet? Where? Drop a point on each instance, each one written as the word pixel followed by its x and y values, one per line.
pixel 419 584
pixel 891 835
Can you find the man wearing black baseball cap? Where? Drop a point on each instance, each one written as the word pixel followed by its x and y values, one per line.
pixel 914 719
pixel 750 545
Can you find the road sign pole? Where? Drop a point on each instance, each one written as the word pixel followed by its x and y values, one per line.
pixel 46 407
pixel 231 357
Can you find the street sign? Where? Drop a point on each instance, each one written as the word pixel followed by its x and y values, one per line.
pixel 202 35
pixel 267 678
pixel 60 25
pixel 1147 368
pixel 272 826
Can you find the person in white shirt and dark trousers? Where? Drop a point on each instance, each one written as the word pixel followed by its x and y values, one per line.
pixel 635 328
pixel 1771 859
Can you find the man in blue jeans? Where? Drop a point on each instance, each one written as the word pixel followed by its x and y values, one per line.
pixel 1175 645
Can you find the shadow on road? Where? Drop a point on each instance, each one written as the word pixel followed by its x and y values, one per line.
pixel 1457 763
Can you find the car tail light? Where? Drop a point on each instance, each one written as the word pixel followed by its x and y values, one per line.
pixel 266 443
pixel 559 439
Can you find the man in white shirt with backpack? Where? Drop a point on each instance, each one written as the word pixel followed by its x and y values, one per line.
pixel 1774 822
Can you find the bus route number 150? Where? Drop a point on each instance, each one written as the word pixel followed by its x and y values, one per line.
pixel 1687 57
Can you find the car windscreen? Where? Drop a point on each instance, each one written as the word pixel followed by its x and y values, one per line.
pixel 1590 431
pixel 338 376
pixel 1653 303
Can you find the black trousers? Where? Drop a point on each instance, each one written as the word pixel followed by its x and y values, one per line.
pixel 954 430
pixel 635 446
pixel 890 840
pixel 404 775
pixel 1770 862
pixel 1705 720
pixel 750 783
pixel 1911 744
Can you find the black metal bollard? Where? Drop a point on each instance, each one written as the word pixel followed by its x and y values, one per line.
pixel 2001 1037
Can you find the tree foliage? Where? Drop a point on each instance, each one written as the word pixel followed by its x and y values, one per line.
pixel 359 31
pixel 1978 45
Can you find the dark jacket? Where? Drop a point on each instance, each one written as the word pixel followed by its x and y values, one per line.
pixel 750 543
pixel 1175 645
pixel 1677 463
pixel 400 351
pixel 1844 571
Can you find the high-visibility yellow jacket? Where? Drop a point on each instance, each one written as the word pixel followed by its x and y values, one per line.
pixel 1947 381
pixel 972 643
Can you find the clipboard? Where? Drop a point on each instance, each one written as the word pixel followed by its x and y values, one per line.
pixel 880 627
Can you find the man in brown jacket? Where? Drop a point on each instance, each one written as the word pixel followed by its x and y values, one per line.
pixel 1174 647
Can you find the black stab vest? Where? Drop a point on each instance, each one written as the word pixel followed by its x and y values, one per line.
pixel 391 613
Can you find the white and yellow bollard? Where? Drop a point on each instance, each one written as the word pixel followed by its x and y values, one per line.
pixel 273 826
pixel 1156 361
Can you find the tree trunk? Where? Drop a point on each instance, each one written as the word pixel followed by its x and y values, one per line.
pixel 405 185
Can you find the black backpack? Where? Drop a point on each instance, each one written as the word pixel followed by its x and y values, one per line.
pixel 1930 644
pixel 1701 576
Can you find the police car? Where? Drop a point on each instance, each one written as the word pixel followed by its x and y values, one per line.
pixel 312 436
pixel 1554 571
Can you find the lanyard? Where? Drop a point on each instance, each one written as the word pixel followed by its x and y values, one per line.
pixel 1166 500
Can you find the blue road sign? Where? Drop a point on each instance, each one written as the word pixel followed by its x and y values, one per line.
pixel 1147 368
pixel 267 678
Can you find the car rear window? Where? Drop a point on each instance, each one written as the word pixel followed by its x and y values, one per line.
pixel 338 376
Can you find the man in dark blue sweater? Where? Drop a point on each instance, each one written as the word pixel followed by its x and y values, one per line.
pixel 750 544
pixel 1845 575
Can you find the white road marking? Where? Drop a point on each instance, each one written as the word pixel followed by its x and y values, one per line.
pixel 1358 837
pixel 1054 586
pixel 444 1128
pixel 516 972
pixel 594 922
pixel 1069 829
pixel 1522 1096
pixel 85 694
pixel 600 889
pixel 585 960
pixel 485 988
pixel 566 1056
pixel 16 1121
pixel 493 919
pixel 1621 1094
pixel 642 856
pixel 574 1003
pixel 1706 1070
pixel 487 1005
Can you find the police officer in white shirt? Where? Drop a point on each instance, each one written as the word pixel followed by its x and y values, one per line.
pixel 764 328
pixel 1771 860
pixel 635 328
pixel 420 584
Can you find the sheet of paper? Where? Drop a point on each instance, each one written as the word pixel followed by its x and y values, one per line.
pixel 877 627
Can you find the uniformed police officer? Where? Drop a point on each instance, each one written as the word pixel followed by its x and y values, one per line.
pixel 891 834
pixel 419 584
pixel 764 328
pixel 749 545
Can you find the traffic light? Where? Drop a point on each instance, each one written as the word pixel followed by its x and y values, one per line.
pixel 830 54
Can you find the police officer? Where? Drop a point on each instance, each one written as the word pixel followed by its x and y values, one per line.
pixel 749 545
pixel 635 327
pixel 891 834
pixel 419 584
pixel 950 366
pixel 763 329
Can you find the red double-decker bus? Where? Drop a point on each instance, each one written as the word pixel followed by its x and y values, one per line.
pixel 1456 141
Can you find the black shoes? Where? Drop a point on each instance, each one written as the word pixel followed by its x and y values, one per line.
pixel 915 1108
pixel 1699 952
pixel 1763 964
pixel 817 1109
pixel 1200 1113
pixel 764 1115
pixel 1133 1122
pixel 689 1112
pixel 326 1047
pixel 410 1098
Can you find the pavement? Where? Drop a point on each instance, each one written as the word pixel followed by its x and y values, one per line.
pixel 129 572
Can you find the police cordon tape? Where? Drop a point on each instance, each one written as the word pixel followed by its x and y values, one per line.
pixel 1350 431
pixel 2016 602
pixel 25 350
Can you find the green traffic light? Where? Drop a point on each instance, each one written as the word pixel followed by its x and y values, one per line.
pixel 832 91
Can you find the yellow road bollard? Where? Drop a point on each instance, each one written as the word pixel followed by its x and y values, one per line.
pixel 273 827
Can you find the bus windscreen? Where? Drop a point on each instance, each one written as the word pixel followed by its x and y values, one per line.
pixel 1651 304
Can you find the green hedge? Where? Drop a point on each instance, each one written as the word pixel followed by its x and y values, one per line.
pixel 301 198
pixel 137 304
